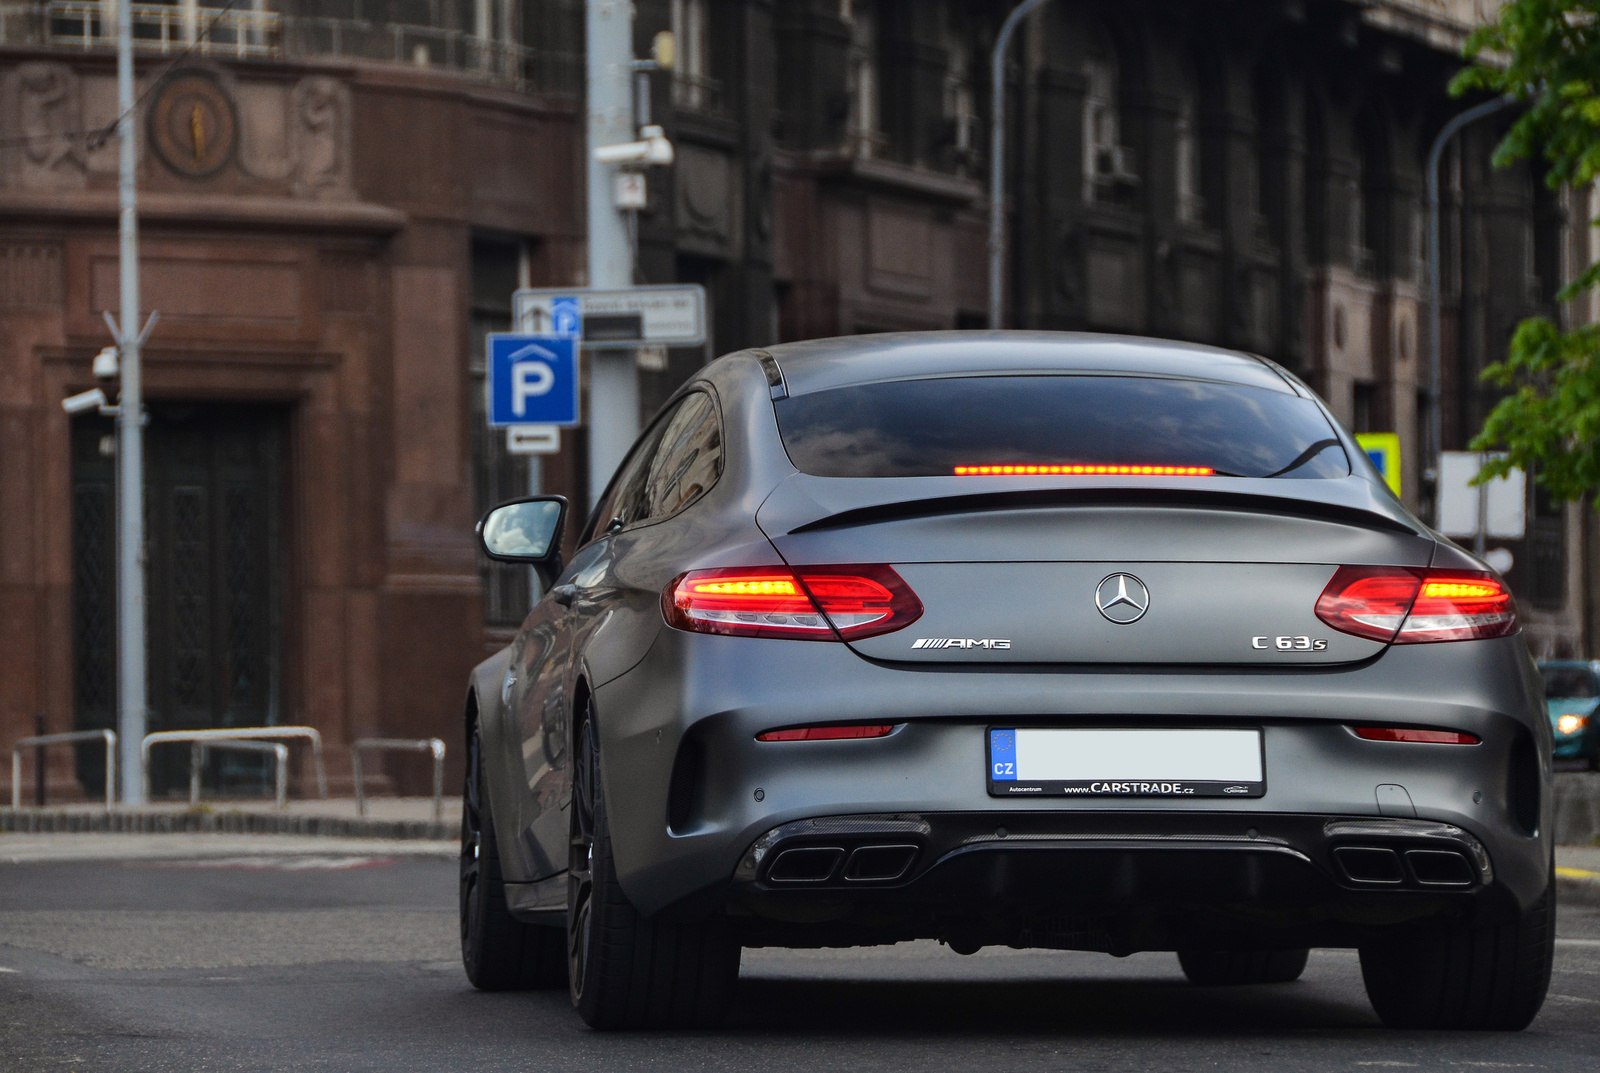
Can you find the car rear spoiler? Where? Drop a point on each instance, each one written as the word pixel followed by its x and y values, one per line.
pixel 1371 515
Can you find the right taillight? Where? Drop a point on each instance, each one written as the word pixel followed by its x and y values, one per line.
pixel 1401 606
pixel 818 603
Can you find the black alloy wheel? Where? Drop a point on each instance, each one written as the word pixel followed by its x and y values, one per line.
pixel 580 859
pixel 499 952
pixel 1464 974
pixel 624 970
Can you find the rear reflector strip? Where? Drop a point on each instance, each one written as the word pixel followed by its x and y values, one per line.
pixel 1413 734
pixel 1084 471
pixel 1403 606
pixel 877 730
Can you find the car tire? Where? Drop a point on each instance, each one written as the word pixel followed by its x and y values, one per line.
pixel 1464 976
pixel 499 952
pixel 1227 968
pixel 626 971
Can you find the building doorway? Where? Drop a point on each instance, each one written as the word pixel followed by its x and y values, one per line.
pixel 214 522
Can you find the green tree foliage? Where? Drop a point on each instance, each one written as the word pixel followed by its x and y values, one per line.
pixel 1546 53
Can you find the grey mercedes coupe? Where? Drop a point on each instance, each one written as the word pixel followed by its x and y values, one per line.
pixel 1005 638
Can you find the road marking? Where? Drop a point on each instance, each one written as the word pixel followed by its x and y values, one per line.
pixel 1578 942
pixel 1576 873
pixel 1575 998
pixel 4 969
pixel 300 863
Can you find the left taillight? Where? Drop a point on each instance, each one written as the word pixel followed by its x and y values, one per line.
pixel 817 603
pixel 1402 606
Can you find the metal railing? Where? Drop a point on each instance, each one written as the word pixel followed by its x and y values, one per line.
pixel 235 734
pixel 429 745
pixel 41 740
pixel 275 749
pixel 549 59
pixel 167 28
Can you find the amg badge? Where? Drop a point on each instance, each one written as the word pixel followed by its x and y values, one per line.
pixel 960 642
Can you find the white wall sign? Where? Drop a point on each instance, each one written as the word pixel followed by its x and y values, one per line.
pixel 1458 498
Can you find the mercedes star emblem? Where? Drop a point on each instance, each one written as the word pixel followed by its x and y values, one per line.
pixel 1122 598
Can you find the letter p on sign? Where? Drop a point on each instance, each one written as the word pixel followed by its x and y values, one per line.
pixel 529 379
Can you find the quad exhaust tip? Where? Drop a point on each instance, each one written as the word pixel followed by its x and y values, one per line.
pixel 1381 865
pixel 819 864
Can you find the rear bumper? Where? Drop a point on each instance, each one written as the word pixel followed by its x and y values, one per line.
pixel 1114 881
pixel 678 737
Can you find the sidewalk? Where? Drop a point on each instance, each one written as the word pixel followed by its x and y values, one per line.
pixel 291 852
pixel 336 817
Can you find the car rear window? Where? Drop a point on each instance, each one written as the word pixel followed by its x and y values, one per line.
pixel 1568 682
pixel 995 425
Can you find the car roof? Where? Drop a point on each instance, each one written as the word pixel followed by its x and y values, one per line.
pixel 819 364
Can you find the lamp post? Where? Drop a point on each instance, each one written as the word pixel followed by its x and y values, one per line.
pixel 1435 375
pixel 997 158
pixel 131 693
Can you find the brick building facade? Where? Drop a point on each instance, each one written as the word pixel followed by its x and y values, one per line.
pixel 378 176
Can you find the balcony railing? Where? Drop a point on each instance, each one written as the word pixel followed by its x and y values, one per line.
pixel 169 29
pixel 166 29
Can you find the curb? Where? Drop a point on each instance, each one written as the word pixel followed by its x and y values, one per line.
pixel 1577 808
pixel 1577 886
pixel 44 821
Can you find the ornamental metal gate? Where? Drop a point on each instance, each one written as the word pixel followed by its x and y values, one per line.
pixel 213 504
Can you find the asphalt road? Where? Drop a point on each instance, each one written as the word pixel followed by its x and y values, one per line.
pixel 347 961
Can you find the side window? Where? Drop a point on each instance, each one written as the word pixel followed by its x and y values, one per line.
pixel 626 502
pixel 688 460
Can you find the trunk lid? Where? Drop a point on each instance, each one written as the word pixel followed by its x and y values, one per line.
pixel 1221 579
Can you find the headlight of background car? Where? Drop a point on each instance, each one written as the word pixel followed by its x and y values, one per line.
pixel 1571 724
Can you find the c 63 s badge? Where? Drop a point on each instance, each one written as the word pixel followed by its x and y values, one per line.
pixel 1290 644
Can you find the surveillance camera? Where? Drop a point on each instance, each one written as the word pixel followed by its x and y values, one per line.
pixel 84 401
pixel 105 364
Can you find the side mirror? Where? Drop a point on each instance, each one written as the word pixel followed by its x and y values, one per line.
pixel 526 531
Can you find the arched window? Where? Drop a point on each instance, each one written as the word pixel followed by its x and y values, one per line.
pixel 1190 207
pixel 1107 163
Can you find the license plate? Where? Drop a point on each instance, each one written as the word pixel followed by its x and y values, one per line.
pixel 1084 762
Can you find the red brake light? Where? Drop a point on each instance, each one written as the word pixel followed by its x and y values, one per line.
pixel 1459 606
pixel 1437 737
pixel 1084 471
pixel 826 733
pixel 820 603
pixel 1402 606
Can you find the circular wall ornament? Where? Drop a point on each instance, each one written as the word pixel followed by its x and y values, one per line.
pixel 193 126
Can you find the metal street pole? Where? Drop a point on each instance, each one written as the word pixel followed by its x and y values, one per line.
pixel 997 156
pixel 613 375
pixel 1435 375
pixel 131 697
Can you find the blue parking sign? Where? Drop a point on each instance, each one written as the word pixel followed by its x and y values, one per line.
pixel 533 380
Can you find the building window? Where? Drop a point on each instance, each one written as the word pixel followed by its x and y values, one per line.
pixel 1361 255
pixel 960 102
pixel 1190 207
pixel 1107 164
pixel 693 87
pixel 1369 236
pixel 864 136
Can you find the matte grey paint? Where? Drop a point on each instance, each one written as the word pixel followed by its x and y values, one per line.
pixel 1242 555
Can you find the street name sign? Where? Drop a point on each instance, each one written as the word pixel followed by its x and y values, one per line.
pixel 532 380
pixel 669 315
